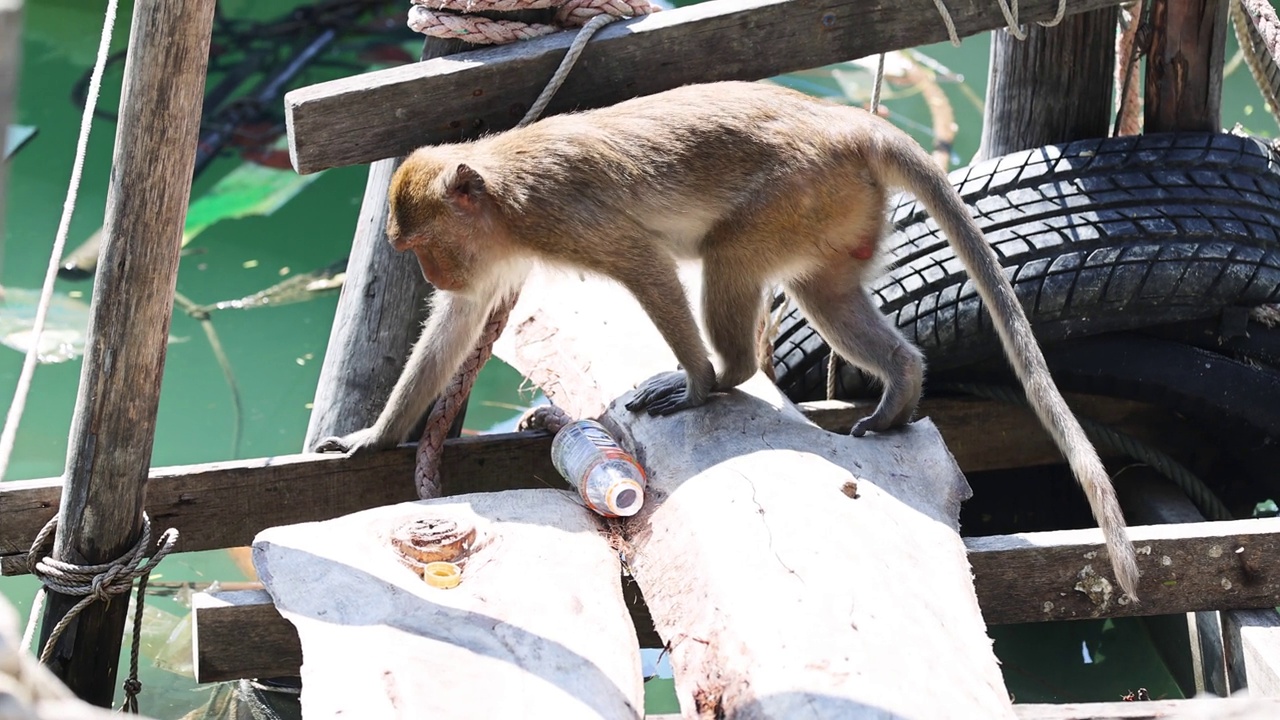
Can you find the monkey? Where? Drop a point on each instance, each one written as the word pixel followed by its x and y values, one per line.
pixel 766 186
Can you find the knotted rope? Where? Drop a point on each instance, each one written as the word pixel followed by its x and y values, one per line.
pixel 426 474
pixel 92 583
pixel 451 19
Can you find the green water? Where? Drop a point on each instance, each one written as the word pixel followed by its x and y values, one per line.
pixel 276 352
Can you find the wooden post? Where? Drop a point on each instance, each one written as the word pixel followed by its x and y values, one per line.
pixel 1184 66
pixel 114 423
pixel 1052 87
pixel 380 312
pixel 10 45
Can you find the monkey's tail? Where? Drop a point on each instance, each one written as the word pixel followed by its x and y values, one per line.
pixel 902 163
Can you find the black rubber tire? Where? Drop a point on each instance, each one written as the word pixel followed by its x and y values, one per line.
pixel 1097 236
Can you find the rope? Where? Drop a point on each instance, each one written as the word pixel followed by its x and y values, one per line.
pixel 426 475
pixel 1258 30
pixel 1129 49
pixel 451 19
pixel 92 583
pixel 1208 503
pixel 14 418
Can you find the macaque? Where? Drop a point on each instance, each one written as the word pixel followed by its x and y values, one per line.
pixel 765 185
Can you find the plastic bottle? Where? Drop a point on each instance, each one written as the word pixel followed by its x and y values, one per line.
pixel 609 480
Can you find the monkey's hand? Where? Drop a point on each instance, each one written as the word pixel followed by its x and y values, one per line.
pixel 360 441
pixel 664 394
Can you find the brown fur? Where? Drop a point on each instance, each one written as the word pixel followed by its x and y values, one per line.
pixel 765 185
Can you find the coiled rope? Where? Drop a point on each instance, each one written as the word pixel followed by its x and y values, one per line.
pixel 426 475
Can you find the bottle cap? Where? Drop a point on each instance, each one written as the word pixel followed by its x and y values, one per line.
pixel 625 498
pixel 443 575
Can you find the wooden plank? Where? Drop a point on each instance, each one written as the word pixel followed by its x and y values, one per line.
pixel 112 430
pixel 1251 639
pixel 240 634
pixel 1184 66
pixel 539 608
pixel 224 639
pixel 1034 577
pixel 1198 709
pixel 1063 61
pixel 390 112
pixel 225 504
pixel 768 607
pixel 985 435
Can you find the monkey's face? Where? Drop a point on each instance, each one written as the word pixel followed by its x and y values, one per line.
pixel 439 213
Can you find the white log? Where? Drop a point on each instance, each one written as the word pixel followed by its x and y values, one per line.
pixel 537 628
pixel 778 594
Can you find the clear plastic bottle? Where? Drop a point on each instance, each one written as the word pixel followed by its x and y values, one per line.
pixel 609 480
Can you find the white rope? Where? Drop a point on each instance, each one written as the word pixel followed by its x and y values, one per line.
pixel 1010 19
pixel 60 241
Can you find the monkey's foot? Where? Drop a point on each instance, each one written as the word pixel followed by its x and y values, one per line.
pixel 881 420
pixel 664 394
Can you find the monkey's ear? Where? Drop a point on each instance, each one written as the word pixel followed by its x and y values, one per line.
pixel 467 188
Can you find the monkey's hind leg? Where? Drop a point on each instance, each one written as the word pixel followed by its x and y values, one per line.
pixel 843 313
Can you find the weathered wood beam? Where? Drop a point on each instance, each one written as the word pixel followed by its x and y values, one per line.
pixel 1184 66
pixel 224 504
pixel 1033 577
pixel 223 621
pixel 1251 643
pixel 1045 89
pixel 113 428
pixel 390 112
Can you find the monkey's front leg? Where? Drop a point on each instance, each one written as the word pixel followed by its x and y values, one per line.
pixel 451 332
pixel 660 293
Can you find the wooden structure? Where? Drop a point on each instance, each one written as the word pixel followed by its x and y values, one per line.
pixel 782 566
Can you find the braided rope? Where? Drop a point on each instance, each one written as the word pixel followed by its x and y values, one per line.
pixel 544 417
pixel 426 474
pixel 1258 30
pixel 449 19
pixel 92 583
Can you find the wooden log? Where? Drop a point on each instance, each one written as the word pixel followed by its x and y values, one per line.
pixel 1251 639
pixel 752 547
pixel 378 318
pixel 10 50
pixel 539 608
pixel 221 621
pixel 1198 709
pixel 225 504
pixel 109 454
pixel 1184 66
pixel 251 614
pixel 390 112
pixel 1035 577
pixel 220 505
pixel 1045 89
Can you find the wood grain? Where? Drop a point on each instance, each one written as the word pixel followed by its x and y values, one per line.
pixel 220 623
pixel 224 504
pixel 390 112
pixel 1050 87
pixel 1251 643
pixel 1035 577
pixel 113 427
pixel 1184 66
